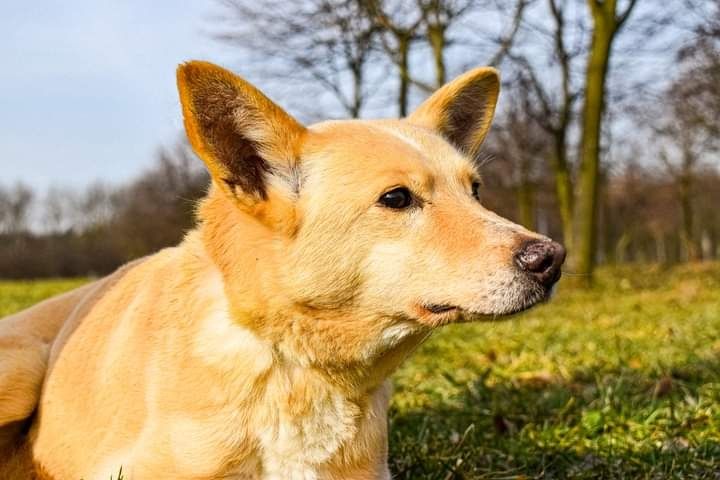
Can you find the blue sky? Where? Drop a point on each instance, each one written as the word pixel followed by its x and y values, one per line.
pixel 88 87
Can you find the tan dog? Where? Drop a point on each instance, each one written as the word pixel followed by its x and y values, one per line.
pixel 260 347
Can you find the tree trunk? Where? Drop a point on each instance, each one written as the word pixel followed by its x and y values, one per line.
pixel 404 73
pixel 563 189
pixel 713 243
pixel 660 249
pixel 706 245
pixel 686 235
pixel 357 93
pixel 563 181
pixel 526 205
pixel 436 37
pixel 606 250
pixel 585 231
pixel 621 247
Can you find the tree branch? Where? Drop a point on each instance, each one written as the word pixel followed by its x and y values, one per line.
pixel 507 42
pixel 624 15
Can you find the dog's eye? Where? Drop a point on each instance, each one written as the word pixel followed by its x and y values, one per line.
pixel 397 198
pixel 476 190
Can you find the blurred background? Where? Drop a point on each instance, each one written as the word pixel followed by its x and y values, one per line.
pixel 606 135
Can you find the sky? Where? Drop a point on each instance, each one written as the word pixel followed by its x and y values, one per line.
pixel 88 92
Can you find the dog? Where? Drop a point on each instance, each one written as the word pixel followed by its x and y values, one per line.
pixel 261 346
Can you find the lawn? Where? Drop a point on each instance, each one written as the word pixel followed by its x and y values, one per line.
pixel 620 381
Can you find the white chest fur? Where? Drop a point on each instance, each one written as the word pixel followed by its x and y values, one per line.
pixel 299 438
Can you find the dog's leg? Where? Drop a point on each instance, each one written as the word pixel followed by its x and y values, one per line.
pixel 22 369
pixel 25 342
pixel 23 361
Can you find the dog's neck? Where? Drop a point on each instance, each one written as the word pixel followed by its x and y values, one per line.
pixel 357 354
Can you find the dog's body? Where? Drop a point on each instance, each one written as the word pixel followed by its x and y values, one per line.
pixel 259 348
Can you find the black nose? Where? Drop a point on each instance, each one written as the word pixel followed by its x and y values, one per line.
pixel 542 259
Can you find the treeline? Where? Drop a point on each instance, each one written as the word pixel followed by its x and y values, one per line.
pixel 607 134
pixel 66 233
pixel 643 217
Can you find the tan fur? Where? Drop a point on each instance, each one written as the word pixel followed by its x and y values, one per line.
pixel 260 347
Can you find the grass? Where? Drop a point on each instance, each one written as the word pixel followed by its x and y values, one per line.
pixel 16 295
pixel 620 381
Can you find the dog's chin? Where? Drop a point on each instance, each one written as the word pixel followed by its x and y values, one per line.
pixel 438 314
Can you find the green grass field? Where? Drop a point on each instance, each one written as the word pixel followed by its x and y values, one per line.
pixel 620 381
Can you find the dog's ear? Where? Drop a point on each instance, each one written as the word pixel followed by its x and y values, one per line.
pixel 249 144
pixel 462 110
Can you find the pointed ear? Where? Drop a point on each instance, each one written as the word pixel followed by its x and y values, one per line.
pixel 249 144
pixel 462 110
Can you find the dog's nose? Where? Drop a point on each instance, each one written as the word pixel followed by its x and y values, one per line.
pixel 542 259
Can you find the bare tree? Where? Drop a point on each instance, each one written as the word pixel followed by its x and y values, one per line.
pixel 552 104
pixel 328 43
pixel 400 24
pixel 608 19
pixel 57 209
pixel 569 42
pixel 699 86
pixel 157 209
pixel 15 208
pixel 520 145
pixel 404 24
pixel 688 124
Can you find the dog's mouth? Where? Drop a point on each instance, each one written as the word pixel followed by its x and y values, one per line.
pixel 437 314
pixel 443 313
pixel 440 308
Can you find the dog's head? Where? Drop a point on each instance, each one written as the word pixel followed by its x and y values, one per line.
pixel 382 219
